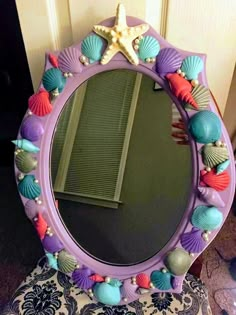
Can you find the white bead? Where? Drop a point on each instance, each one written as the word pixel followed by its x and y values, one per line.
pixel 86 63
pixel 90 291
pixel 140 37
pixel 65 75
pixel 70 74
pixel 91 294
pixel 182 74
pixel 30 113
pixel 107 279
pixel 39 202
pixel 191 254
pixel 163 270
pixel 137 41
pixel 36 181
pixel 179 71
pixel 205 236
pixel 125 299
pixel 153 59
pixel 77 266
pixel 151 285
pixel 148 60
pixel 136 47
pixel 20 176
pixel 133 279
pixel 218 143
pixel 82 58
pixel 208 169
pixel 50 234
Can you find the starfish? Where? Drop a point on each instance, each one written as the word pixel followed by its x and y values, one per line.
pixel 120 37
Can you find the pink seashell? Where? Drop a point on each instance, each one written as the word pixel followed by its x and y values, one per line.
pixel 32 209
pixel 218 182
pixel 211 196
pixel 69 60
pixel 39 103
pixel 128 290
pixel 143 280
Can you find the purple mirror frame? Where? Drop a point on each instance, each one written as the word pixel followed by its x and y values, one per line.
pixel 42 173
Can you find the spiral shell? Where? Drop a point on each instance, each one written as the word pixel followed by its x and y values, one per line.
pixel 31 128
pixel 40 225
pixel 39 103
pixel 176 282
pixel 25 162
pixel 161 280
pixel 28 188
pixel 210 196
pixel 97 278
pixel 213 155
pixel 192 66
pixel 201 96
pixel 82 278
pixel 69 60
pixel 53 79
pixel 217 181
pixel 143 280
pixel 66 262
pixel 128 290
pixel 222 167
pixel 207 218
pixel 53 60
pixel 32 209
pixel 169 61
pixel 148 48
pixel 92 48
pixel 52 244
pixel 178 261
pixel 192 241
pixel 26 145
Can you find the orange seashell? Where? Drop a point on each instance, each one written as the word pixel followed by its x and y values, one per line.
pixel 97 278
pixel 39 103
pixel 181 88
pixel 143 281
pixel 218 182
pixel 40 225
pixel 53 60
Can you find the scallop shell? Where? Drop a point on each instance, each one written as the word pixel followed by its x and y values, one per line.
pixel 143 280
pixel 201 95
pixel 66 262
pixel 40 225
pixel 192 241
pixel 53 60
pixel 211 196
pixel 178 261
pixel 219 182
pixel 82 278
pixel 169 60
pixel 69 60
pixel 52 244
pixel 39 103
pixel 176 282
pixel 31 128
pixel 222 167
pixel 52 261
pixel 28 188
pixel 26 145
pixel 192 66
pixel 32 209
pixel 92 48
pixel 25 162
pixel 205 127
pixel 148 48
pixel 207 218
pixel 128 290
pixel 53 79
pixel 107 294
pixel 161 280
pixel 213 155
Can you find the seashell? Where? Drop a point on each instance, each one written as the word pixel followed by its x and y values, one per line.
pixel 192 241
pixel 219 182
pixel 178 261
pixel 213 155
pixel 143 280
pixel 52 244
pixel 107 294
pixel 52 261
pixel 53 79
pixel 211 196
pixel 53 60
pixel 92 48
pixel 25 162
pixel 82 279
pixel 40 225
pixel 161 280
pixel 28 188
pixel 207 218
pixel 201 96
pixel 205 127
pixel 39 103
pixel 26 145
pixel 32 209
pixel 115 282
pixel 66 262
pixel 128 290
pixel 97 278
pixel 176 282
pixel 169 61
pixel 192 66
pixel 148 48
pixel 31 128
pixel 181 88
pixel 69 60
pixel 222 167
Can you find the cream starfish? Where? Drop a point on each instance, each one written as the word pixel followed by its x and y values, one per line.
pixel 120 37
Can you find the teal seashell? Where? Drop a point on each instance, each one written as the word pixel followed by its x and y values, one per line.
pixel 192 66
pixel 115 282
pixel 107 294
pixel 148 48
pixel 52 261
pixel 26 145
pixel 92 48
pixel 28 188
pixel 66 262
pixel 178 261
pixel 207 218
pixel 205 127
pixel 222 167
pixel 161 280
pixel 25 162
pixel 53 79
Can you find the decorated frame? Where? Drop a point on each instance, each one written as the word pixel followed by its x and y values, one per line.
pixel 114 45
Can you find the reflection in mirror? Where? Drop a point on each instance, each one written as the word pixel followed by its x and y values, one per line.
pixel 121 180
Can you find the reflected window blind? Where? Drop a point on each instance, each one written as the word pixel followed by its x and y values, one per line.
pixel 95 157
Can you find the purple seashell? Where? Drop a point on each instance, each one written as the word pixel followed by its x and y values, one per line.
pixel 32 209
pixel 176 282
pixel 81 278
pixel 68 60
pixel 168 61
pixel 129 290
pixel 211 196
pixel 31 128
pixel 52 244
pixel 192 241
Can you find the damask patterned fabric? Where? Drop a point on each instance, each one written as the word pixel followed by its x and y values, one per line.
pixel 47 292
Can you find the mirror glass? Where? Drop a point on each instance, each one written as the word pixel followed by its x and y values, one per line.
pixel 121 181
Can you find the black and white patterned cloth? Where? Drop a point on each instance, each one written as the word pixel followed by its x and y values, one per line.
pixel 46 291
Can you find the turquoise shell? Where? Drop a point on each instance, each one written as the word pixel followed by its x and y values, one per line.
pixel 28 188
pixel 161 280
pixel 207 218
pixel 52 261
pixel 148 48
pixel 107 294
pixel 192 66
pixel 26 145
pixel 205 127
pixel 222 167
pixel 92 48
pixel 53 79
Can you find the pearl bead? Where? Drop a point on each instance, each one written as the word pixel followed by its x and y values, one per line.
pixel 191 254
pixel 151 285
pixel 125 299
pixel 86 63
pixel 148 60
pixel 107 279
pixel 20 176
pixel 218 143
pixel 179 71
pixel 65 75
pixel 133 279
pixel 91 294
pixel 50 234
pixel 82 58
pixel 153 59
pixel 136 47
pixel 208 169
pixel 194 82
pixel 224 144
pixel 90 291
pixel 36 181
pixel 30 113
pixel 137 41
pixel 77 266
pixel 208 232
pixel 182 74
pixel 39 202
pixel 163 270
pixel 205 236
pixel 140 37
pixel 35 219
pixel 70 74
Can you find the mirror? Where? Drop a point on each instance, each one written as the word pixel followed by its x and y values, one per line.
pixel 120 179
